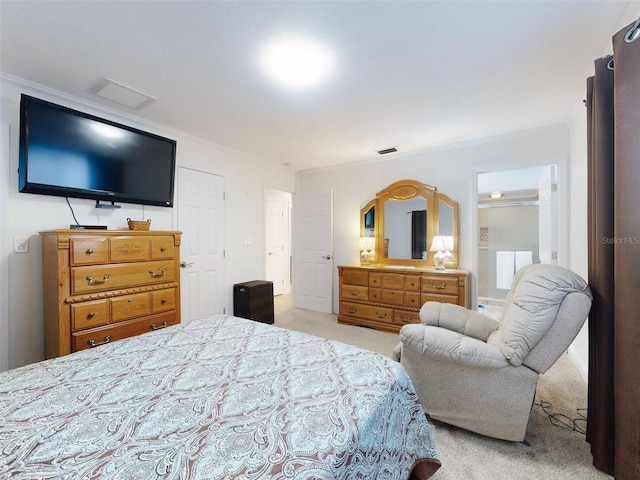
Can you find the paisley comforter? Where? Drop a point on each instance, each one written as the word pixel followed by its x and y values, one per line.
pixel 216 398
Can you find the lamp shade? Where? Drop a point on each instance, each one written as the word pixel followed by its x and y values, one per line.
pixel 371 243
pixel 367 243
pixel 438 244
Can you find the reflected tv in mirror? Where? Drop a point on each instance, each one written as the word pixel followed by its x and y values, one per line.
pixel 68 153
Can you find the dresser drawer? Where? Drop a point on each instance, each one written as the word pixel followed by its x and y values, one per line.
pixel 375 279
pixel 162 247
pixel 355 277
pixel 354 292
pixel 440 284
pixel 393 281
pixel 412 283
pixel 130 306
pixel 163 300
pixel 89 314
pixel 367 312
pixel 392 297
pixel 412 299
pixel 88 250
pixel 375 294
pixel 129 249
pixel 109 277
pixel 432 297
pixel 403 317
pixel 101 335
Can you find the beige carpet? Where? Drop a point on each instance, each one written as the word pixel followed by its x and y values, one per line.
pixel 552 453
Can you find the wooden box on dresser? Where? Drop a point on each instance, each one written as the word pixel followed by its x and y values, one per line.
pixel 105 285
pixel 387 298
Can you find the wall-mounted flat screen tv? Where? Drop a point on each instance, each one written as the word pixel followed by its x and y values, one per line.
pixel 68 153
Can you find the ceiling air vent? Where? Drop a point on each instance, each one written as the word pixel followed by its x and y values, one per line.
pixel 121 93
pixel 387 150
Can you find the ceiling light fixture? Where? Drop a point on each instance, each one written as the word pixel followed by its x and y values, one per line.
pixel 297 61
pixel 496 195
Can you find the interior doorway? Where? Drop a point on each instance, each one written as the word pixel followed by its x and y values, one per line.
pixel 516 218
pixel 278 240
pixel 200 199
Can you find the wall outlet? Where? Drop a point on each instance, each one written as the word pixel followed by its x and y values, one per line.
pixel 21 244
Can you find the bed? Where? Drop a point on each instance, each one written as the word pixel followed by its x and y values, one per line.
pixel 216 398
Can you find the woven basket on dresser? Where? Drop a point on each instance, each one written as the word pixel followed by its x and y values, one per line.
pixel 139 224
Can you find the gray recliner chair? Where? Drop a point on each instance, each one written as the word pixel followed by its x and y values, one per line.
pixel 480 374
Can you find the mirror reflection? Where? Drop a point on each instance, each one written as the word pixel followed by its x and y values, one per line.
pixel 445 219
pixel 405 228
pixel 404 218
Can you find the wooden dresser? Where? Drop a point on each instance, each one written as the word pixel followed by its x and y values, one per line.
pixel 105 285
pixel 387 298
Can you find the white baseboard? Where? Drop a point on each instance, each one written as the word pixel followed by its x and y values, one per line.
pixel 580 363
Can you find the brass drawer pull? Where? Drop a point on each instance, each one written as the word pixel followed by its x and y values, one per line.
pixel 154 274
pixel 91 281
pixel 405 320
pixel 381 315
pixel 163 248
pixel 154 327
pixel 92 343
pixel 91 315
pixel 130 300
pixel 354 293
pixel 89 251
pixel 442 286
pixel 351 309
pixel 163 301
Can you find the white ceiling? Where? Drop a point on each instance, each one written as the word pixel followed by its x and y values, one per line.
pixel 410 75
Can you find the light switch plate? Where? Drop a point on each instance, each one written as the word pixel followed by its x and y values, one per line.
pixel 21 244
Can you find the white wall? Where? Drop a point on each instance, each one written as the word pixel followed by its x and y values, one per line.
pixel 21 310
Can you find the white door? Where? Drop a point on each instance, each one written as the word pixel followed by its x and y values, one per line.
pixel 201 220
pixel 313 251
pixel 547 216
pixel 277 240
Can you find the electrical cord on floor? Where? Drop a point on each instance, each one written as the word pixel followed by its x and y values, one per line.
pixel 563 421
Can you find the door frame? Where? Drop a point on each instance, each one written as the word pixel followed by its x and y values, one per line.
pixel 562 216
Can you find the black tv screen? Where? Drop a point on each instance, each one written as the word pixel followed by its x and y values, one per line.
pixel 68 153
pixel 369 219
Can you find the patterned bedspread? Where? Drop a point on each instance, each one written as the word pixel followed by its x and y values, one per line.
pixel 217 398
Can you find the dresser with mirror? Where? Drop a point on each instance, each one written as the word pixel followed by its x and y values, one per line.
pixel 401 223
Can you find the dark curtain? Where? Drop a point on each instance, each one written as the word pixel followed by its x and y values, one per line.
pixel 418 233
pixel 613 112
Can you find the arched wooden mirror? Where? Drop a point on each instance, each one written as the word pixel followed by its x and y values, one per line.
pixel 404 218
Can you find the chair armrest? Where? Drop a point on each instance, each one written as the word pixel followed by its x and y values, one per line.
pixel 445 345
pixel 458 319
